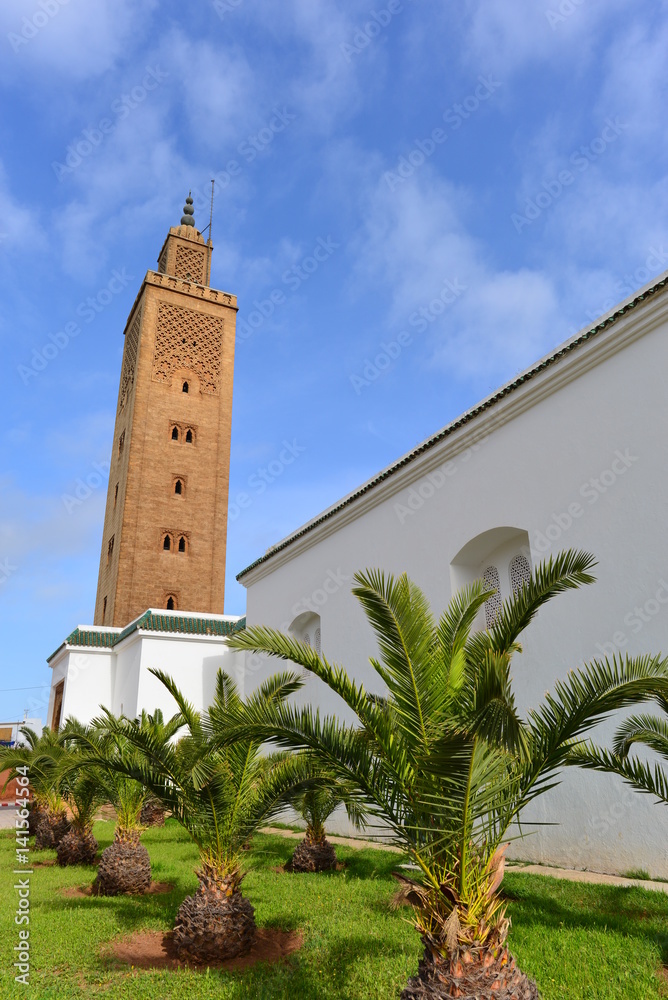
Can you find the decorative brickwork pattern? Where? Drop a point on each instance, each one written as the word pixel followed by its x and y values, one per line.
pixel 129 361
pixel 189 340
pixel 162 263
pixel 189 264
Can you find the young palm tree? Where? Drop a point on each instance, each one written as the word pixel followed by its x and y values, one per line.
pixel 78 846
pixel 220 796
pixel 43 754
pixel 315 805
pixel 153 811
pixel 445 760
pixel 648 730
pixel 83 793
pixel 125 866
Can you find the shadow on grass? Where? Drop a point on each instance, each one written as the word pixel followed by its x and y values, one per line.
pixel 557 905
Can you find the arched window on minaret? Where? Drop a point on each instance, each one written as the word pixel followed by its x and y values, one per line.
pixel 182 544
pixel 178 487
pixel 175 434
pixel 185 387
pixel 171 604
pixel 167 543
pixel 189 437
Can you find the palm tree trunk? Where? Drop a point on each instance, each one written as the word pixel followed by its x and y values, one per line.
pixel 216 923
pixel 484 973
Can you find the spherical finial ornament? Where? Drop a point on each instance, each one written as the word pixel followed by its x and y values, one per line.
pixel 187 219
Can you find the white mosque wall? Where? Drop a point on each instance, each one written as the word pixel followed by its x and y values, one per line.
pixel 575 458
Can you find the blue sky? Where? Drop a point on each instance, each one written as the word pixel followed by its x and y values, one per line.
pixel 481 178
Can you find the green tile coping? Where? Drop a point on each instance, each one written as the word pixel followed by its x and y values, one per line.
pixel 466 417
pixel 150 621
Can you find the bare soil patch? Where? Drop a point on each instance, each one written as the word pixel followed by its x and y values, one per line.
pixel 157 888
pixel 155 950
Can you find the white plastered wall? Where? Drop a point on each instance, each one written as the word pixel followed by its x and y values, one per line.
pixel 583 467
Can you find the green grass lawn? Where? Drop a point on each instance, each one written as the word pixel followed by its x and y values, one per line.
pixel 578 941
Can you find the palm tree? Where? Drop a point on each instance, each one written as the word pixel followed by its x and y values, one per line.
pixel 648 730
pixel 445 759
pixel 43 754
pixel 315 805
pixel 125 866
pixel 220 796
pixel 153 811
pixel 84 792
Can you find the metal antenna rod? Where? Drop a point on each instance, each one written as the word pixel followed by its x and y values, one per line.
pixel 210 244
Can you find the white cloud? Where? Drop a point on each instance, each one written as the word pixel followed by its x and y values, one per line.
pixel 415 241
pixel 508 36
pixel 20 227
pixel 77 39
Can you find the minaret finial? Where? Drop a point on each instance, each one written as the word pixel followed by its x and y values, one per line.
pixel 187 219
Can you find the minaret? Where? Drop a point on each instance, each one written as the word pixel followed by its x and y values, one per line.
pixel 165 524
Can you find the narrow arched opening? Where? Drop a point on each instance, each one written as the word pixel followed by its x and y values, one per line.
pixel 186 387
pixel 175 434
pixel 167 543
pixel 182 544
pixel 178 487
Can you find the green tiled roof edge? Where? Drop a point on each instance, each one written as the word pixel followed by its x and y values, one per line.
pixel 455 425
pixel 183 624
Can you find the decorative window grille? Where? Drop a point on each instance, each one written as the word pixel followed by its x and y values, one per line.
pixel 520 573
pixel 493 603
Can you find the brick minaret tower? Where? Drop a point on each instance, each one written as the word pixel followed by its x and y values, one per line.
pixel 165 525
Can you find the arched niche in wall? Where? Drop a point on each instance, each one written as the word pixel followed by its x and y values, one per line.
pixel 501 554
pixel 307 628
